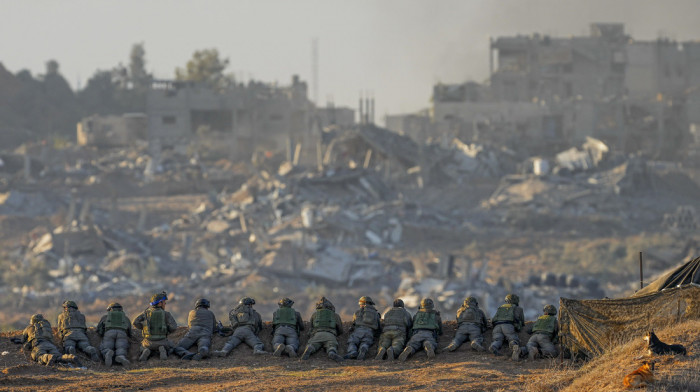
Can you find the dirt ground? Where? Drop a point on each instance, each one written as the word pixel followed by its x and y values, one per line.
pixel 463 370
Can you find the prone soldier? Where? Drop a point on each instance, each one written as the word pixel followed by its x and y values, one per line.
pixel 326 326
pixel 471 325
pixel 246 324
pixel 397 325
pixel 366 323
pixel 545 333
pixel 202 325
pixel 427 325
pixel 115 329
pixel 507 322
pixel 286 324
pixel 156 323
pixel 38 337
pixel 71 326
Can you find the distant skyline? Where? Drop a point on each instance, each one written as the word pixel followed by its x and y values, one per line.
pixel 395 49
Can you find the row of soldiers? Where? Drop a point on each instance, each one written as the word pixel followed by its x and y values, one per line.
pixel 399 333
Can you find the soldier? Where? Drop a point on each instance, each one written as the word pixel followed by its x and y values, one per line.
pixel 472 324
pixel 246 324
pixel 397 325
pixel 115 329
pixel 545 333
pixel 71 326
pixel 38 337
pixel 286 324
pixel 366 323
pixel 202 325
pixel 155 324
pixel 326 326
pixel 507 322
pixel 427 325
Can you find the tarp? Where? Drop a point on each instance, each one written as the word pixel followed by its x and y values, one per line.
pixel 686 274
pixel 591 327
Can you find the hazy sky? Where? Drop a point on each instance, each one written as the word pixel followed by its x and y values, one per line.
pixel 395 48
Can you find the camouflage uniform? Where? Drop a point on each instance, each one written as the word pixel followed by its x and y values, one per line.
pixel 286 324
pixel 115 329
pixel 246 324
pixel 71 326
pixel 545 334
pixel 326 325
pixel 38 337
pixel 202 325
pixel 508 321
pixel 155 324
pixel 471 325
pixel 366 323
pixel 397 325
pixel 427 325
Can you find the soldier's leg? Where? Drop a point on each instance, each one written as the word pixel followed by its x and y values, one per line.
pixel 108 342
pixel 475 337
pixel 278 342
pixel 398 343
pixel 184 345
pixel 230 344
pixel 460 337
pixel 83 344
pixel 69 346
pixel 413 345
pixel 252 340
pixel 365 343
pixel 121 348
pixel 513 340
pixel 331 345
pixel 203 347
pixel 144 350
pixel 430 344
pixel 497 339
pixel 548 348
pixel 313 345
pixel 353 341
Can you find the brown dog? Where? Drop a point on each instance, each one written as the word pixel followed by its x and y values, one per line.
pixel 640 377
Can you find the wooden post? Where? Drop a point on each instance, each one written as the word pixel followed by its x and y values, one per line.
pixel 641 272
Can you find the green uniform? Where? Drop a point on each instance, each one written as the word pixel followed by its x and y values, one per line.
pixel 71 326
pixel 155 324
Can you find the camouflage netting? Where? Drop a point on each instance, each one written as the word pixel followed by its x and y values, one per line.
pixel 686 274
pixel 590 327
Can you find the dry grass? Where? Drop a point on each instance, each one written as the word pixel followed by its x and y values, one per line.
pixel 605 373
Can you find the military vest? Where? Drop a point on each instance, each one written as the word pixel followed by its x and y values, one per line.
pixel 425 320
pixel 545 324
pixel 469 315
pixel 325 319
pixel 395 317
pixel 156 327
pixel 116 319
pixel 73 319
pixel 286 316
pixel 41 331
pixel 505 313
pixel 367 318
pixel 202 318
pixel 244 315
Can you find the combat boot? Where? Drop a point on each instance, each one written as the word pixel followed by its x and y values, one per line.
pixel 406 353
pixel 188 357
pixel 52 359
pixel 532 353
pixel 144 355
pixel 290 351
pixel 70 350
pixel 120 359
pixel 516 353
pixel 494 351
pixel 278 350
pixel 362 353
pixel 108 358
pixel 334 356
pixel 224 351
pixel 350 355
pixel 451 347
pixel 429 350
pixel 476 346
pixel 390 354
pixel 67 358
pixel 307 353
pixel 380 354
pixel 163 353
pixel 94 356
pixel 258 350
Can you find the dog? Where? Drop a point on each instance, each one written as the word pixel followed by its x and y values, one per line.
pixel 641 377
pixel 656 346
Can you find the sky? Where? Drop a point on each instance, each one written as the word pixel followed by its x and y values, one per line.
pixel 395 50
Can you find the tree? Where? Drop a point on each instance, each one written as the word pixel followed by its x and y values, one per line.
pixel 138 76
pixel 206 67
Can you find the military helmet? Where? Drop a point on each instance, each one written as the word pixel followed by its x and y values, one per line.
pixel 324 303
pixel 36 318
pixel 398 303
pixel 512 299
pixel 202 303
pixel 427 303
pixel 471 301
pixel 285 303
pixel 246 301
pixel 365 301
pixel 550 310
pixel 70 304
pixel 114 305
pixel 158 298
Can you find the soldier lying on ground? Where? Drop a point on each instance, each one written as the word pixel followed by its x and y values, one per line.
pixel 427 325
pixel 246 324
pixel 286 324
pixel 326 326
pixel 202 325
pixel 71 327
pixel 38 337
pixel 156 323
pixel 115 329
pixel 397 326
